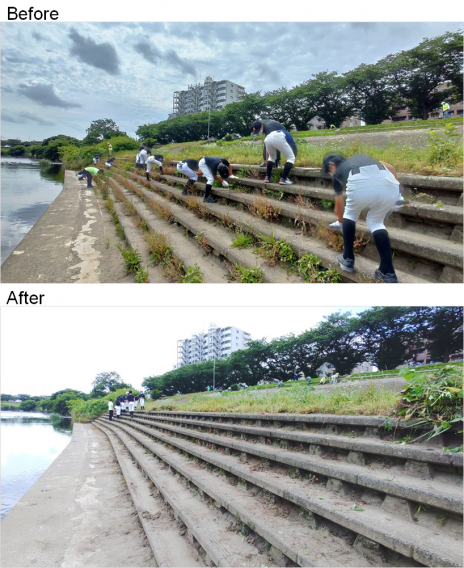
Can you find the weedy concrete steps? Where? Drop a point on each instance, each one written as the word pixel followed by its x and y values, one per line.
pixel 444 252
pixel 245 222
pixel 408 512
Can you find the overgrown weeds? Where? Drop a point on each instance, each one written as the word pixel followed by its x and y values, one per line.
pixel 244 240
pixel 276 251
pixel 252 275
pixel 264 209
pixel 193 275
pixel 132 258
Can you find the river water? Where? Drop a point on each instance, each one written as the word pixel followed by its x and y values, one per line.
pixel 31 441
pixel 27 191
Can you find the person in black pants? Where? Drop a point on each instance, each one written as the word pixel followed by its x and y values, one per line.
pixel 88 172
pixel 265 127
pixel 110 408
pixel 369 185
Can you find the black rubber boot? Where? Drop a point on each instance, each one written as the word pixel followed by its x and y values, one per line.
pixel 147 175
pixel 161 170
pixel 269 169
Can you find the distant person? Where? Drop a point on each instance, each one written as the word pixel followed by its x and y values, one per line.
pixel 142 401
pixel 308 381
pixel 131 402
pixel 188 168
pixel 210 167
pixel 265 127
pixel 369 185
pixel 280 383
pixel 280 141
pixel 118 409
pixel 109 162
pixel 88 173
pixel 157 160
pixel 110 408
pixel 96 159
pixel 110 148
pixel 208 388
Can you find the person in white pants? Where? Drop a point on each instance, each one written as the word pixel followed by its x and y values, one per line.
pixel 142 157
pixel 209 167
pixel 369 185
pixel 188 168
pixel 280 141
pixel 156 160
pixel 142 401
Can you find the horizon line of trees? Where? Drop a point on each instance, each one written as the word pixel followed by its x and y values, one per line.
pixel 385 336
pixel 60 402
pixel 368 91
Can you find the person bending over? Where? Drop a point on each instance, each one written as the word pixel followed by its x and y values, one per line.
pixel 210 167
pixel 157 160
pixel 109 162
pixel 88 173
pixel 142 157
pixel 189 169
pixel 265 127
pixel 369 185
pixel 280 141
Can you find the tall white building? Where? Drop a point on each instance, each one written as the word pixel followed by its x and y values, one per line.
pixel 211 95
pixel 216 343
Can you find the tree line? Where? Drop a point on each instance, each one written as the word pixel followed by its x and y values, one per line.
pixel 408 78
pixel 385 336
pixel 60 402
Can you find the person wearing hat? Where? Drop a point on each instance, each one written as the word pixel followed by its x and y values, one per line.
pixel 266 127
pixel 369 185
pixel 280 141
pixel 109 162
pixel 88 173
pixel 142 157
pixel 157 160
pixel 210 167
pixel 110 149
pixel 189 169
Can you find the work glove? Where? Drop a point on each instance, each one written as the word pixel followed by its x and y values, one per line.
pixel 225 184
pixel 233 177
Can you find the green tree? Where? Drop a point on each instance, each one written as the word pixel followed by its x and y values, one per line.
pixel 17 150
pixel 7 397
pixel 23 397
pixel 60 403
pixel 418 72
pixel 28 405
pixel 443 333
pixel 371 92
pixel 107 382
pixel 328 90
pixel 102 129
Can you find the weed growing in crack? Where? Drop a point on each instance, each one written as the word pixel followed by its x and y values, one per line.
pixel 264 209
pixel 132 258
pixel 158 246
pixel 193 275
pixel 243 241
pixel 310 269
pixel 141 276
pixel 275 251
pixel 201 240
pixel 253 275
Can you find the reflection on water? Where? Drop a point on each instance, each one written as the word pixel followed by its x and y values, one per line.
pixel 31 441
pixel 27 191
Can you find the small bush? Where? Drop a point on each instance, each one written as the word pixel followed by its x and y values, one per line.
pixel 141 276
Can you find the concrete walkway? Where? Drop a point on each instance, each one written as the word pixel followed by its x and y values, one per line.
pixel 78 513
pixel 73 241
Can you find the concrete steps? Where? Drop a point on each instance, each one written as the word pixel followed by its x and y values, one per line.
pixel 422 246
pixel 239 219
pixel 391 505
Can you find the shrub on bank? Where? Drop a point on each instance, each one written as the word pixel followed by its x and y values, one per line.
pixel 87 410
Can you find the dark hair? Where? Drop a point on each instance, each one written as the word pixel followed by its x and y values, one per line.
pixel 100 171
pixel 223 171
pixel 257 125
pixel 332 160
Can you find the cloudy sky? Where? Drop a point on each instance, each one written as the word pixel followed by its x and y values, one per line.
pixel 49 349
pixel 58 77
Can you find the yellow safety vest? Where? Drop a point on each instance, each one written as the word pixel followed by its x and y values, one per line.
pixel 445 106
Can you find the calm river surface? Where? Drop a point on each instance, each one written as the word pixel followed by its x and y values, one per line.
pixel 30 443
pixel 27 191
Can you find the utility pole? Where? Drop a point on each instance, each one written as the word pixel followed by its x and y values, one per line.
pixel 209 117
pixel 214 373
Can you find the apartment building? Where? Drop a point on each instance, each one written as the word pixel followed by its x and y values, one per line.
pixel 211 95
pixel 404 112
pixel 216 343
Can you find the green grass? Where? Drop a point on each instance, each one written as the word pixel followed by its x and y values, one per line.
pixel 294 396
pixel 297 399
pixel 406 158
